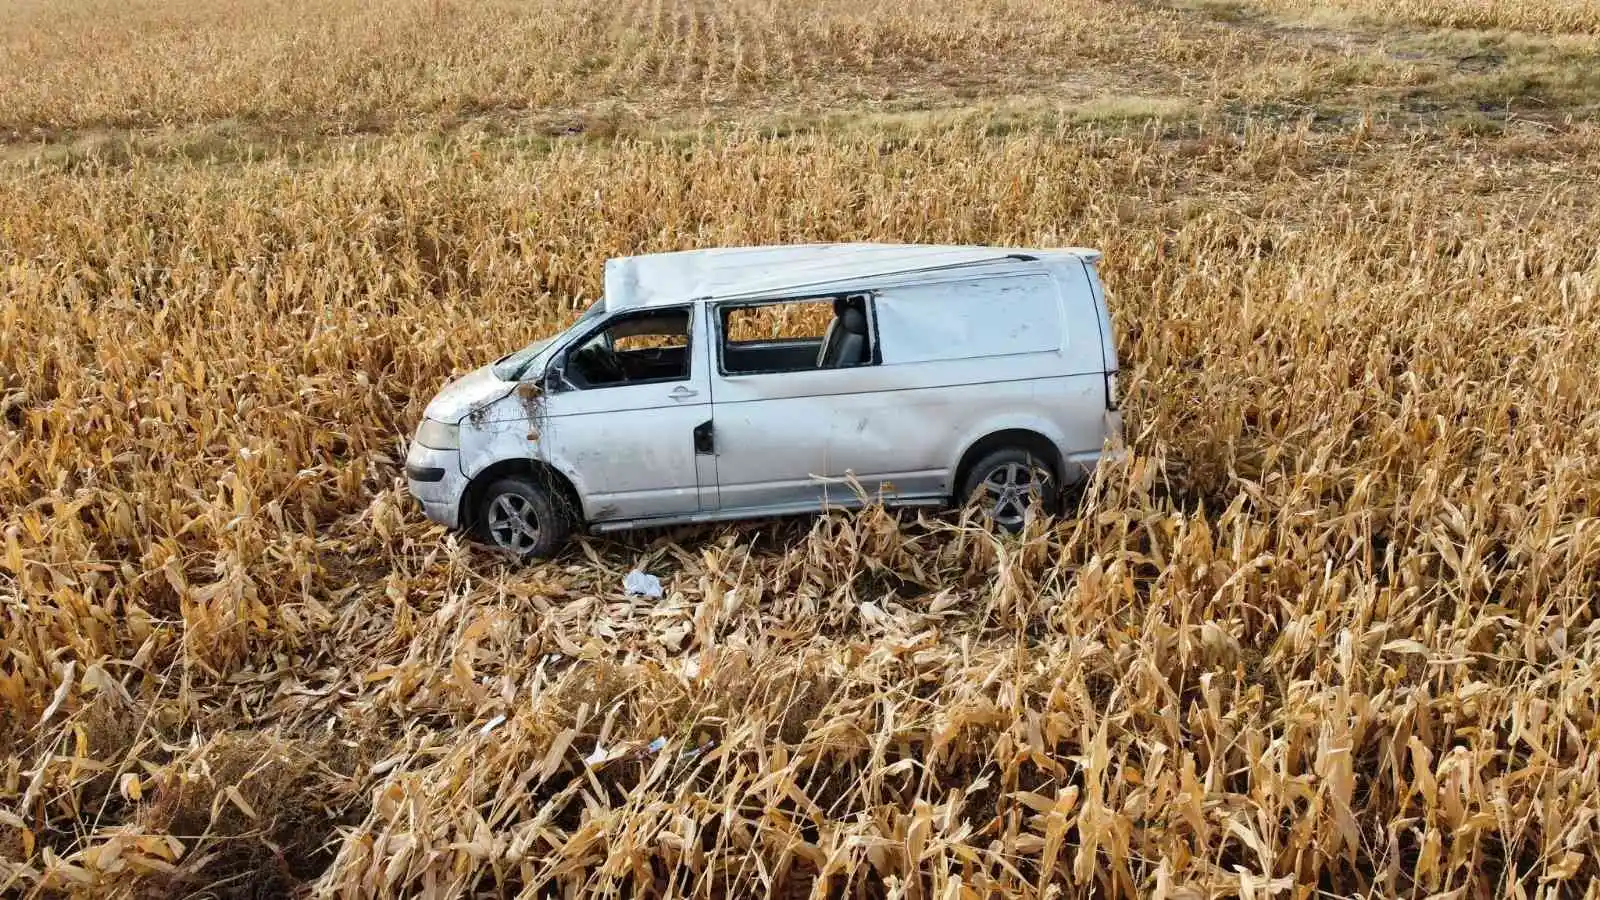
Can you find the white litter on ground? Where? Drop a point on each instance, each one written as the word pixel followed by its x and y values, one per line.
pixel 641 583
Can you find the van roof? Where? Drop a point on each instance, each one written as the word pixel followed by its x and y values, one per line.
pixel 657 279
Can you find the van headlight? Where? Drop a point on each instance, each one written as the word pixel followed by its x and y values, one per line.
pixel 439 435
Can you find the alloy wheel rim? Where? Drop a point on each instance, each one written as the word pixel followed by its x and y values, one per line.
pixel 513 524
pixel 1008 491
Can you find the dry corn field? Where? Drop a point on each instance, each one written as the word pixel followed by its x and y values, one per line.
pixel 1329 631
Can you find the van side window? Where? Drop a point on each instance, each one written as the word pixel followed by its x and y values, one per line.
pixel 797 335
pixel 647 347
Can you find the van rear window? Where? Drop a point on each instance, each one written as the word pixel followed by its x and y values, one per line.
pixel 969 318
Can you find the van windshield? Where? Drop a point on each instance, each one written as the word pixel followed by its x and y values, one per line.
pixel 513 366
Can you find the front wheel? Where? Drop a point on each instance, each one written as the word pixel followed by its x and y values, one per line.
pixel 1005 483
pixel 524 519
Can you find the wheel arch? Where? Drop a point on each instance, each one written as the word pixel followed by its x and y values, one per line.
pixel 537 471
pixel 1023 438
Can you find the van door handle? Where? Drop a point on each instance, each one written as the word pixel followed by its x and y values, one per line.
pixel 681 393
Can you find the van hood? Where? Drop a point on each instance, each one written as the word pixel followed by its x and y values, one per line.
pixel 459 398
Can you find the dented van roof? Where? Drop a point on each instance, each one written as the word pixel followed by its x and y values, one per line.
pixel 657 279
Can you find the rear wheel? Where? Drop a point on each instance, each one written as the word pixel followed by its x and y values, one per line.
pixel 524 519
pixel 1006 483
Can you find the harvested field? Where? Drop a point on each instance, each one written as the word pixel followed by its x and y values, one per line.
pixel 1330 631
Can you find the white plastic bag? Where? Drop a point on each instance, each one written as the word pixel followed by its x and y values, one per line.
pixel 641 584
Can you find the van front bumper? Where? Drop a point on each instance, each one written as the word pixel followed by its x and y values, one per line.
pixel 434 478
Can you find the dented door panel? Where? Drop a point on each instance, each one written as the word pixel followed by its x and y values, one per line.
pixel 958 359
pixel 629 449
pixel 899 430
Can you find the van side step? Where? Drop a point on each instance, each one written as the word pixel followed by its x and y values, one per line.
pixel 755 512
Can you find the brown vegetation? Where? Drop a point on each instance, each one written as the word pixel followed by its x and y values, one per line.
pixel 1553 16
pixel 1329 631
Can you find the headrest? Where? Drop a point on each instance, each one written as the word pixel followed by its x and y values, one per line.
pixel 840 304
pixel 854 321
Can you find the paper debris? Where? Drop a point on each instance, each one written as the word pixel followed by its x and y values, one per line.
pixel 642 584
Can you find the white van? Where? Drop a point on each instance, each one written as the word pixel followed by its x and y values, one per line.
pixel 735 383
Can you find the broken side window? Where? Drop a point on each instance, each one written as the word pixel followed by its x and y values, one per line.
pixel 795 335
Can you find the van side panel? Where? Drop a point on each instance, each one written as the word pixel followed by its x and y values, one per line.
pixel 891 427
pixel 999 316
pixel 961 359
pixel 1066 389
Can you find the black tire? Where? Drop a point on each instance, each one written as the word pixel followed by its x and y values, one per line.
pixel 1008 480
pixel 502 514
